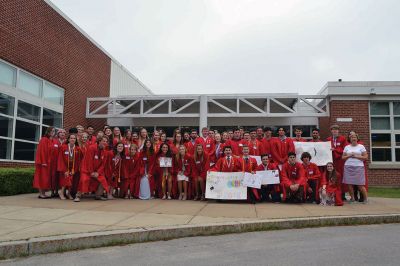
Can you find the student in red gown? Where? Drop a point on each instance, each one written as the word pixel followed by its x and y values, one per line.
pixel 200 167
pixel 338 143
pixel 260 134
pixel 92 171
pixel 114 170
pixel 156 141
pixel 135 138
pixel 127 140
pixel 207 142
pixel 148 158
pixel 131 178
pixel 235 143
pixel 143 136
pixel 42 177
pixel 183 163
pixel 313 176
pixel 228 163
pixel 176 143
pixel 69 162
pixel 293 180
pixel 298 132
pixel 281 146
pixel 255 146
pixel 269 192
pixel 267 143
pixel 249 165
pixel 117 136
pixel 56 147
pixel 164 172
pixel 108 132
pixel 190 144
pixel 330 187
pixel 91 136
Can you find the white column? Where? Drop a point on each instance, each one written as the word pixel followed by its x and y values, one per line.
pixel 203 112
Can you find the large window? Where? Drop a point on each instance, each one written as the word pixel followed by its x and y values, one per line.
pixel 385 131
pixel 25 112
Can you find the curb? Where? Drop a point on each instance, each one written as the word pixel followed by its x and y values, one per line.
pixel 43 245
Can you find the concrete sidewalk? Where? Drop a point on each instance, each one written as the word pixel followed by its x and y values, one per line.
pixel 25 217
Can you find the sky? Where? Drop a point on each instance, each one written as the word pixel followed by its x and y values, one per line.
pixel 245 46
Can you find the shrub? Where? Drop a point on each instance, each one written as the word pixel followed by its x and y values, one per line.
pixel 15 181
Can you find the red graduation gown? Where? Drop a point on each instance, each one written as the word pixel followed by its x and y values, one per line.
pixel 147 161
pixel 69 163
pixel 333 187
pixel 249 166
pixel 42 179
pixel 131 177
pixel 93 161
pixel 222 165
pixel 281 148
pixel 113 169
pixel 200 167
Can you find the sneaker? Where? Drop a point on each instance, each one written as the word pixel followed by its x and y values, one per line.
pixel 169 197
pixel 101 198
pixel 77 199
pixel 365 202
pixel 164 197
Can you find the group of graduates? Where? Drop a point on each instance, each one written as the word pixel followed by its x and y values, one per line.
pixel 109 164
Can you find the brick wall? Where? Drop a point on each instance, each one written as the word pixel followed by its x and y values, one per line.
pixel 359 112
pixel 35 37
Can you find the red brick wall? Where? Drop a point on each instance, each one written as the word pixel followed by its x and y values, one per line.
pixel 359 112
pixel 35 37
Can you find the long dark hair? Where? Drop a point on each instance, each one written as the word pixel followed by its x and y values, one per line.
pixel 168 154
pixel 148 150
pixel 331 177
pixel 122 153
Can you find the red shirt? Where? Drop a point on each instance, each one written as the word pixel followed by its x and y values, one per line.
pixel 249 165
pixel 312 171
pixel 69 160
pixel 200 166
pixel 94 160
pixel 300 140
pixel 225 165
pixel 281 148
pixel 293 174
pixel 255 147
pixel 132 166
pixel 186 161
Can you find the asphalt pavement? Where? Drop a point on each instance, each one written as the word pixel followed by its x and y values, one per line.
pixel 347 245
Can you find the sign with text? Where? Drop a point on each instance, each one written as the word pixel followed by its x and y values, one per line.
pixel 320 151
pixel 225 186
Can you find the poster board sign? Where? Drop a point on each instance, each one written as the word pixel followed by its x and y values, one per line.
pixel 258 159
pixel 165 162
pixel 269 177
pixel 320 151
pixel 225 186
pixel 252 180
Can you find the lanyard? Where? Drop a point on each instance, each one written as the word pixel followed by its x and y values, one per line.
pixel 71 156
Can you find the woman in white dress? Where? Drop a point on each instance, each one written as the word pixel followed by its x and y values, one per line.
pixel 354 155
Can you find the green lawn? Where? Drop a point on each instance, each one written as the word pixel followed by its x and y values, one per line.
pixel 384 192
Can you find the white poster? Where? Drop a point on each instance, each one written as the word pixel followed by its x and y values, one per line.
pixel 252 180
pixel 258 159
pixel 165 162
pixel 269 177
pixel 320 152
pixel 227 186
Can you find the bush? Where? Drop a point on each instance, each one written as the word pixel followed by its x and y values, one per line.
pixel 15 181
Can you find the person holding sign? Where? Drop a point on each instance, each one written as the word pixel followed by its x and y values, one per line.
pixel 330 191
pixel 113 168
pixel 164 171
pixel 313 175
pixel 200 167
pixel 182 171
pixel 249 165
pixel 293 180
pixel 267 190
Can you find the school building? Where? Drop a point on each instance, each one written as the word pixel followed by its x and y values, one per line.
pixel 53 74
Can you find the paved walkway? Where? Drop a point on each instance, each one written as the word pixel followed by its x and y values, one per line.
pixel 25 216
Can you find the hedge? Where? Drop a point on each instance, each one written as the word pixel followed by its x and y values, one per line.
pixel 15 181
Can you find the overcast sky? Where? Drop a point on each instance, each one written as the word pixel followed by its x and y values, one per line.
pixel 245 46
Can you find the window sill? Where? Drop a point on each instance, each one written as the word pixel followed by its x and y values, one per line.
pixel 384 166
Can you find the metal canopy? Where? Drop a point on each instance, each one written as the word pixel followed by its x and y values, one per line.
pixel 170 106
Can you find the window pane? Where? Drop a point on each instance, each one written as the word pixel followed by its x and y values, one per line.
pixel 397 123
pixel 24 151
pixel 26 131
pixel 380 140
pixel 6 104
pixel 29 83
pixel 5 149
pixel 396 108
pixel 380 123
pixel 380 108
pixel 52 118
pixel 381 155
pixel 397 139
pixel 397 155
pixel 6 125
pixel 52 93
pixel 28 111
pixel 306 131
pixel 7 74
pixel 275 130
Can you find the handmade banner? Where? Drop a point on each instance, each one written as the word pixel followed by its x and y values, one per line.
pixel 269 177
pixel 320 151
pixel 258 159
pixel 252 180
pixel 226 186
